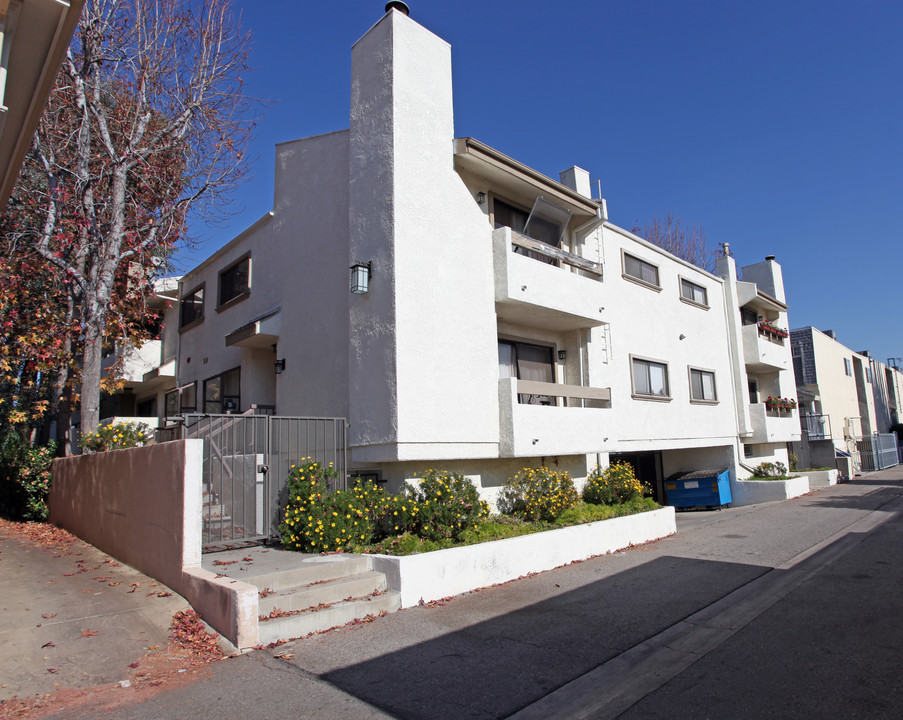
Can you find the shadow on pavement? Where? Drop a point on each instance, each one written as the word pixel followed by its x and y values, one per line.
pixel 494 668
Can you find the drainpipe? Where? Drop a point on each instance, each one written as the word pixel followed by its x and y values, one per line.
pixel 178 351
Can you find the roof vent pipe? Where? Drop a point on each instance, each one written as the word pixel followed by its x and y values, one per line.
pixel 769 257
pixel 398 5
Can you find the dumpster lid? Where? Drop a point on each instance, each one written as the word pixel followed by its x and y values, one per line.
pixel 698 474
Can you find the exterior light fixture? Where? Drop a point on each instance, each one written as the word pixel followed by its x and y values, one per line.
pixel 279 366
pixel 360 277
pixel 562 354
pixel 481 197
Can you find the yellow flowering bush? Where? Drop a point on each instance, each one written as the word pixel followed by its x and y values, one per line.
pixel 615 484
pixel 538 494
pixel 316 520
pixel 443 505
pixel 117 436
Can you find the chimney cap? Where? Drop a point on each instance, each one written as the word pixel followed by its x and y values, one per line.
pixel 398 5
pixel 769 257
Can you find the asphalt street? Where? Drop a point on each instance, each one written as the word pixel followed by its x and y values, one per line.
pixel 788 610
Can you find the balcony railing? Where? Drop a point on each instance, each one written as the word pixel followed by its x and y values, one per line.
pixel 532 430
pixel 816 427
pixel 773 426
pixel 553 253
pixel 535 388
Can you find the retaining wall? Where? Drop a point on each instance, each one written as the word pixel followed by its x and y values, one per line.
pixel 143 506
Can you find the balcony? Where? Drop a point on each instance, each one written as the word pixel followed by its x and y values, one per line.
pixel 764 352
pixel 567 295
pixel 773 426
pixel 547 430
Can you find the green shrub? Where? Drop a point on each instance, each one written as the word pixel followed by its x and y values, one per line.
pixel 315 520
pixel 615 484
pixel 117 436
pixel 443 505
pixel 25 478
pixel 770 471
pixel 538 494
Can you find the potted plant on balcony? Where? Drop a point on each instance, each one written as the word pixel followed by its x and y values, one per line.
pixel 772 403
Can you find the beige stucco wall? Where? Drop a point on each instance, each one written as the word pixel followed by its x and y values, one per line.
pixel 142 506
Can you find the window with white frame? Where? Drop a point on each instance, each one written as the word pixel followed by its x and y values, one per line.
pixel 650 379
pixel 848 367
pixel 702 385
pixel 691 292
pixel 636 269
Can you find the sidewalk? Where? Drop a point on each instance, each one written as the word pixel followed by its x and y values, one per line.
pixel 72 617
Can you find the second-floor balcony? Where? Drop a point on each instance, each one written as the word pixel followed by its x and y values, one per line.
pixel 773 426
pixel 542 286
pixel 551 428
pixel 761 353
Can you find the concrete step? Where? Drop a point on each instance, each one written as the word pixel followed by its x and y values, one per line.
pixel 311 569
pixel 341 613
pixel 331 591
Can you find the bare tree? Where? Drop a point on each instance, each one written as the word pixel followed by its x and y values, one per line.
pixel 148 121
pixel 686 242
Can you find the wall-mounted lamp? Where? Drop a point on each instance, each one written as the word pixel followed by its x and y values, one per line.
pixel 360 277
pixel 279 366
pixel 562 354
pixel 481 197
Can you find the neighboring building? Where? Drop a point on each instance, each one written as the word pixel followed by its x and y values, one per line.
pixel 834 385
pixel 34 35
pixel 147 372
pixel 506 322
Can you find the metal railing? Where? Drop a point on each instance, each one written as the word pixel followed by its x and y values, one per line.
pixel 247 461
pixel 816 427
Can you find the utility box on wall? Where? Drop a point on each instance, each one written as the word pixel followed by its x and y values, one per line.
pixel 705 488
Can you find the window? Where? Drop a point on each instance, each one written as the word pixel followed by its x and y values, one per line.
pixel 702 386
pixel 694 293
pixel 191 308
pixel 527 362
pixel 529 224
pixel 222 393
pixel 748 317
pixel 650 379
pixel 848 367
pixel 748 451
pixel 234 281
pixel 636 269
pixel 753 388
pixel 181 400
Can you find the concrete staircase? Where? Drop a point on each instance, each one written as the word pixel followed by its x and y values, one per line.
pixel 302 594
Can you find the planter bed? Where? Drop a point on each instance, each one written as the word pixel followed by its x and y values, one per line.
pixel 442 573
pixel 752 492
pixel 822 478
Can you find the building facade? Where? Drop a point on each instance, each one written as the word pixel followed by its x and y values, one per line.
pixel 506 321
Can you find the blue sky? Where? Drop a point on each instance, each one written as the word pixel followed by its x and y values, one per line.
pixel 776 126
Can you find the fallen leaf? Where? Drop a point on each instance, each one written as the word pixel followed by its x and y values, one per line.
pixel 103 578
pixel 48 644
pixel 48 616
pixel 153 647
pixel 52 670
pixel 89 633
pixel 164 594
pixel 113 584
pixel 133 665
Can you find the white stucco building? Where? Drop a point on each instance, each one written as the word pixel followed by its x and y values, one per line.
pixel 506 322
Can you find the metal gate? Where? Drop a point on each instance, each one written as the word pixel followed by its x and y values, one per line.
pixel 247 459
pixel 878 451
